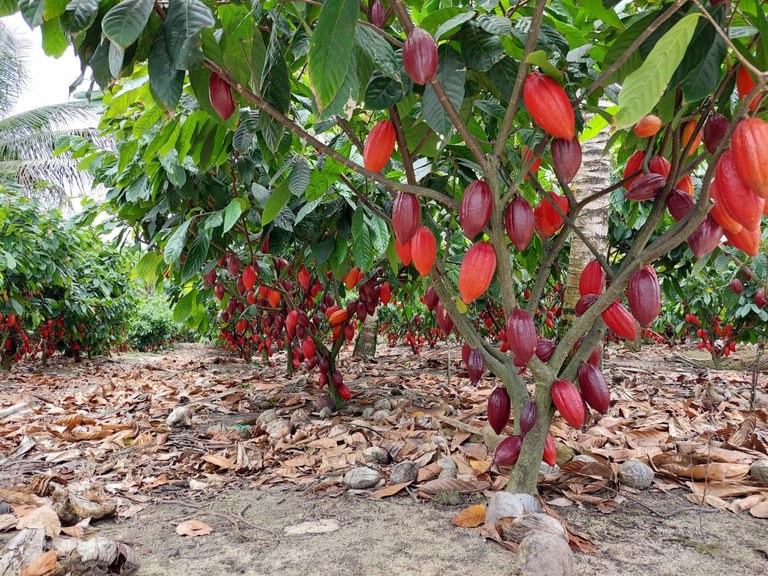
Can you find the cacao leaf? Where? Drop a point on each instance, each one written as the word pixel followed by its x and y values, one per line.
pixel 452 74
pixel 165 80
pixel 183 23
pixel 124 23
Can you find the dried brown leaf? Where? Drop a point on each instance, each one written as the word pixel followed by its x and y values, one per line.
pixel 44 518
pixel 452 484
pixel 193 528
pixel 390 490
pixel 41 565
pixel 471 517
pixel 760 511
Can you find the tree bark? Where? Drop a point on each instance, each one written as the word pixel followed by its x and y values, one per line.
pixel 365 345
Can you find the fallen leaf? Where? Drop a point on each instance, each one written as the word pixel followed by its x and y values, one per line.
pixel 314 527
pixel 219 461
pixel 41 565
pixel 471 517
pixel 760 511
pixel 193 528
pixel 390 490
pixel 44 518
pixel 7 521
pixel 451 484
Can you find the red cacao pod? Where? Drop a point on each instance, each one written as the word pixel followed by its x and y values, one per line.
pixel 592 280
pixel 620 321
pixel 240 286
pixel 308 347
pixel 644 296
pixel 465 350
pixel 291 320
pixel 634 164
pixel 705 237
pixel 475 366
pixel 233 264
pixel 744 85
pixel 420 56
pixel 249 277
pixel 303 277
pixel 475 209
pixel 549 105
pixel 508 451
pixel 423 250
pixel 736 286
pixel 748 241
pixel 430 298
pixel 527 156
pixel 499 407
pixel 660 165
pixel 548 219
pixel 594 389
pixel 737 198
pixel 714 131
pixel 406 216
pixel 520 222
pixel 443 320
pixel 521 336
pixel 544 349
pixel 569 402
pixel 760 299
pixel 528 416
pixel 403 251
pixel 221 96
pixel 645 187
pixel 550 451
pixel 749 144
pixel 477 271
pixel 218 290
pixel 566 158
pixel 647 126
pixel 376 14
pixel 686 185
pixel 385 293
pixel 594 357
pixel 585 303
pixel 379 146
pixel 719 214
pixel 344 392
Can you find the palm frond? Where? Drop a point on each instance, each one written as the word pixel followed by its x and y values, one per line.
pixel 13 72
pixel 44 143
pixel 57 178
pixel 47 118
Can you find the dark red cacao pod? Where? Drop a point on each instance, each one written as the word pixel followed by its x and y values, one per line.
pixel 679 204
pixel 499 407
pixel 443 320
pixel 521 336
pixel 423 250
pixel 475 209
pixel 585 303
pixel 748 241
pixel 738 200
pixel 566 158
pixel 705 237
pixel 520 222
pixel 714 131
pixel 760 299
pixel 240 286
pixel 218 290
pixel 620 321
pixel 548 219
pixel 736 286
pixel 719 214
pixel 749 144
pixel 594 389
pixel 376 14
pixel 544 349
pixel 220 95
pixel 406 216
pixel 569 402
pixel 550 451
pixel 403 251
pixel 233 264
pixel 465 350
pixel 430 298
pixel 475 366
pixel 477 271
pixel 646 187
pixel 210 277
pixel 420 56
pixel 592 279
pixel 379 146
pixel 528 416
pixel 644 296
pixel 549 105
pixel 508 451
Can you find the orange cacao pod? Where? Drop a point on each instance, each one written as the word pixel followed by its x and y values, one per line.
pixel 719 214
pixel 566 158
pixel 594 388
pixel 338 317
pixel 644 296
pixel 744 85
pixel 748 241
pixel 569 402
pixel 379 146
pixel 423 250
pixel 420 56
pixel 477 271
pixel 714 130
pixel 406 216
pixel 548 219
pixel 521 336
pixel 737 198
pixel 647 126
pixel 499 407
pixel 403 251
pixel 220 95
pixel 520 221
pixel 592 280
pixel 528 416
pixel 620 321
pixel 549 105
pixel 475 209
pixel 508 451
pixel 688 131
pixel 750 154
pixel 550 451
pixel 686 185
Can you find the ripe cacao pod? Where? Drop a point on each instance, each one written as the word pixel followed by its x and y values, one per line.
pixel 714 130
pixel 385 293
pixel 249 277
pixel 303 277
pixel 376 14
pixel 430 298
pixel 737 198
pixel 585 303
pixel 477 271
pixel 644 296
pixel 719 214
pixel 647 126
pixel 308 347
pixel 568 401
pixel 620 321
pixel 548 219
pixel 645 187
pixel 550 451
pixel 592 280
pixel 420 56
pixel 566 158
pixel 233 264
pixel 744 85
pixel 528 416
pixel 634 164
pixel 594 357
pixel 499 407
pixel 686 185
pixel 475 366
pixel 423 250
pixel 379 145
pixel 406 216
pixel 221 96
pixel 344 392
pixel 520 222
pixel 748 241
pixel 475 209
pixel 549 105
pixel 736 286
pixel 760 299
pixel 594 389
pixel 338 317
pixel 240 286
pixel 749 144
pixel 465 350
pixel 218 290
pixel 544 349
pixel 660 165
pixel 508 451
pixel 521 336
pixel 403 251
pixel 705 237
pixel 443 319
pixel 688 131
pixel 527 156
pixel 679 204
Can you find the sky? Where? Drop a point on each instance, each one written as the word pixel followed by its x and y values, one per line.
pixel 49 77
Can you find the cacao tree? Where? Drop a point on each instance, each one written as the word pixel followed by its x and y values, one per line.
pixel 456 125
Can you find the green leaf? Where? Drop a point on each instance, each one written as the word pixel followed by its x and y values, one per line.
pixel 378 50
pixel 307 209
pixel 495 24
pixel 600 12
pixel 32 11
pixel 300 175
pixel 231 214
pixel 116 55
pixel 185 306
pixel 54 41
pixel 275 204
pixel 175 244
pixel 539 58
pixel 452 74
pixel 362 244
pixel 453 25
pixel 383 92
pixel 502 76
pixel 196 256
pixel 479 49
pixel 82 13
pixel 183 23
pixel 330 49
pixel 8 7
pixel 164 79
pixel 380 234
pixel 124 23
pixel 700 71
pixel 644 87
pixel 275 85
pixel 147 268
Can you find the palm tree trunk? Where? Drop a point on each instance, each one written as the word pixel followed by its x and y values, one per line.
pixel 365 345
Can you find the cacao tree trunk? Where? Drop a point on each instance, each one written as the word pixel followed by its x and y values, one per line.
pixel 365 344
